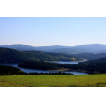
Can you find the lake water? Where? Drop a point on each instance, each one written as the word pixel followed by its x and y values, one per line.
pixel 44 71
pixel 65 62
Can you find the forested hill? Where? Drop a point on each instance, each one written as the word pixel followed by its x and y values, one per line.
pixel 90 56
pixel 100 61
pixel 91 67
pixel 12 55
pixel 94 66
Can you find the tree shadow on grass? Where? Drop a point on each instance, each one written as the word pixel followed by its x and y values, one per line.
pixel 101 84
pixel 73 86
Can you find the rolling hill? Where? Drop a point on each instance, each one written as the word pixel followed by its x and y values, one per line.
pixel 97 61
pixel 90 56
pixel 12 55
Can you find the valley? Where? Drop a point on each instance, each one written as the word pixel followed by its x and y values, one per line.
pixel 40 60
pixel 63 50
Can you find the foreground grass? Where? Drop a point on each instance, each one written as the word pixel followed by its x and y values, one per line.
pixel 53 80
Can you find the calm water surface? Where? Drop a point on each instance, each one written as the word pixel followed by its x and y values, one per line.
pixel 65 62
pixel 44 71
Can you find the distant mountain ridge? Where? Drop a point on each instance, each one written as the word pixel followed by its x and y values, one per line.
pixel 19 47
pixel 28 47
pixel 91 48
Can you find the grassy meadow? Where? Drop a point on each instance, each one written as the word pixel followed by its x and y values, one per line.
pixel 53 80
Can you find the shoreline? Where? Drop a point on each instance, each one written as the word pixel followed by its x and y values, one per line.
pixel 62 70
pixel 67 69
pixel 65 61
pixel 52 61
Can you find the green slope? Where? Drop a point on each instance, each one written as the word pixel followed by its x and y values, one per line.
pixel 12 55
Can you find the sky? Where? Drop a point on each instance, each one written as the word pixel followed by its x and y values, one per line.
pixel 46 31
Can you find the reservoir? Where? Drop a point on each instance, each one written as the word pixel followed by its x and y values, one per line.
pixel 44 71
pixel 62 62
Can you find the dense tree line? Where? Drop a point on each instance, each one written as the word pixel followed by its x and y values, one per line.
pixel 12 55
pixel 9 70
pixel 90 67
pixel 101 60
pixel 35 60
pixel 39 65
pixel 56 73
pixel 87 67
pixel 90 56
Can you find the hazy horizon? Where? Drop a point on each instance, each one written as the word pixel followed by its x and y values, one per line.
pixel 48 31
pixel 58 45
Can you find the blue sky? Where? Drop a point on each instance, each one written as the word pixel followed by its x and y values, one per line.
pixel 44 31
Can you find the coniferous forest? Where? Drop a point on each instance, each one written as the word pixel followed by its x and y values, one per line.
pixel 35 60
pixel 89 67
pixel 11 55
pixel 9 70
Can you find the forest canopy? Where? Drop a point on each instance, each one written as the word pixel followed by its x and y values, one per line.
pixel 12 55
pixel 89 67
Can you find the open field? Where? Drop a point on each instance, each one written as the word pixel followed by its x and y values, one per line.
pixel 53 80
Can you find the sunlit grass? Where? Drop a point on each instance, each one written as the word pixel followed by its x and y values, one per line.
pixel 53 80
